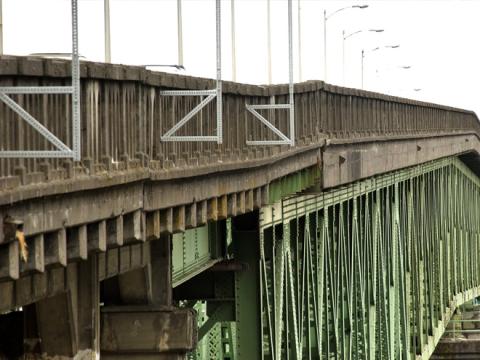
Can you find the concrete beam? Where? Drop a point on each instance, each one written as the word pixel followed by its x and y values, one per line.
pixel 202 212
pixel 56 248
pixel 36 256
pixel 97 236
pixel 178 219
pixel 166 221
pixel 115 231
pixel 191 216
pixel 147 330
pixel 134 227
pixel 152 220
pixel 9 261
pixel 77 245
pixel 345 162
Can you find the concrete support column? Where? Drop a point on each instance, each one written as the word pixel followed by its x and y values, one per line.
pixel 88 306
pixel 161 270
pixel 56 322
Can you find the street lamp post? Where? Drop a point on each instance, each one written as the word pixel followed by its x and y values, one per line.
pixel 299 24
pixel 375 49
pixel 234 53
pixel 269 44
pixel 344 38
pixel 325 18
pixel 179 33
pixel 106 24
pixel 1 28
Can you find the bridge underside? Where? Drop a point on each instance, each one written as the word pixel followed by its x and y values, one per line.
pixel 368 270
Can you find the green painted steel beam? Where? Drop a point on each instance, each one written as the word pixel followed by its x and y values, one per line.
pixel 293 183
pixel 370 270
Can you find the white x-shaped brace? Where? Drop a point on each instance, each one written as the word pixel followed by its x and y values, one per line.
pixel 285 140
pixel 63 151
pixel 211 94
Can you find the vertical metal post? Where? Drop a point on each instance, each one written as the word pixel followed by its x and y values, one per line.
pixel 106 24
pixel 290 74
pixel 363 56
pixel 234 53
pixel 299 14
pixel 179 33
pixel 325 45
pixel 219 71
pixel 75 84
pixel 269 44
pixel 1 27
pixel 343 57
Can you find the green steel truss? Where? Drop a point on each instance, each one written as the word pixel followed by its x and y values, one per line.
pixel 372 270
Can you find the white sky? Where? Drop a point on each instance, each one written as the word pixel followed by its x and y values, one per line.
pixel 439 39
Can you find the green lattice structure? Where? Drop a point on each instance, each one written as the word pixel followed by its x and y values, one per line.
pixel 371 270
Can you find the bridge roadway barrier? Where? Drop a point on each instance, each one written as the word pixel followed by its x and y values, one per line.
pixel 98 215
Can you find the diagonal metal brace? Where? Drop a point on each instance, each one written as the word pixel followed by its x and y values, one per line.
pixel 284 138
pixel 34 123
pixel 169 134
pixel 63 151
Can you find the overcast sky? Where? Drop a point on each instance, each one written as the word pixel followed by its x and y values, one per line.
pixel 438 39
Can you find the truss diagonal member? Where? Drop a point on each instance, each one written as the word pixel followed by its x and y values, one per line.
pixel 34 123
pixel 168 135
pixel 253 110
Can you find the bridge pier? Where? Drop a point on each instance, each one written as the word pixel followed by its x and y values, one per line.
pixel 83 313
pixel 143 324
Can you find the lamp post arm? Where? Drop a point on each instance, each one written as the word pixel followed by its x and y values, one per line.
pixel 337 11
pixel 351 34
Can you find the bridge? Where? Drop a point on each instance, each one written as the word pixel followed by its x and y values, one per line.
pixel 356 240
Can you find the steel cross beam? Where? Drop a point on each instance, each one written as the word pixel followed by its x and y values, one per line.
pixel 211 94
pixel 63 151
pixel 284 139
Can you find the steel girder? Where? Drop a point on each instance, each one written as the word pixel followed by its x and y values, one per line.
pixel 371 270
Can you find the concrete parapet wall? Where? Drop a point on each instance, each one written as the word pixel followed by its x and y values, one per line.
pixel 124 116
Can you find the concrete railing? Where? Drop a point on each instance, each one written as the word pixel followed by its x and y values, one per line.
pixel 123 117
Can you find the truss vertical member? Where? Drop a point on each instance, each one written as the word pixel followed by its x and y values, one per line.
pixel 62 150
pixel 284 139
pixel 211 94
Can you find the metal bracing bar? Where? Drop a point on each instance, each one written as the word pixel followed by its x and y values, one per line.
pixel 36 154
pixel 219 71
pixel 34 123
pixel 75 84
pixel 214 93
pixel 290 106
pixel 187 117
pixel 269 125
pixel 188 92
pixel 268 106
pixel 191 138
pixel 36 90
pixel 290 74
pixel 63 150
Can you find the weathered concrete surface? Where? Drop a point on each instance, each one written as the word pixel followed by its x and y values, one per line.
pixel 147 330
pixel 347 161
pixel 131 189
